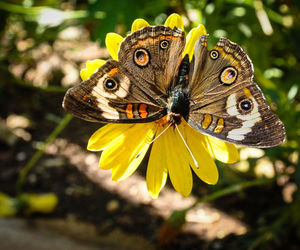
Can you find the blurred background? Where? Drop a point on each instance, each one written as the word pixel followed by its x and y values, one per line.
pixel 52 193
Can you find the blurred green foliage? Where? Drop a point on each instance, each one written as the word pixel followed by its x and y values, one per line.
pixel 268 30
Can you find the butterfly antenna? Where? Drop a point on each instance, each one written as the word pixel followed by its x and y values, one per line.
pixel 154 139
pixel 195 161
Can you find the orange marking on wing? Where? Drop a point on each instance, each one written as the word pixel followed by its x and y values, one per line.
pixel 112 72
pixel 141 57
pixel 175 38
pixel 207 121
pixel 143 110
pixel 129 112
pixel 220 126
pixel 84 98
pixel 247 92
pixel 163 37
pixel 142 43
pixel 155 39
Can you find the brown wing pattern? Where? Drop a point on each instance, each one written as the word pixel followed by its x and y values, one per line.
pixel 206 70
pixel 109 95
pixel 162 48
pixel 134 89
pixel 225 102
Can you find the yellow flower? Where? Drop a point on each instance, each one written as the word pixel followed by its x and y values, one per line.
pixel 175 150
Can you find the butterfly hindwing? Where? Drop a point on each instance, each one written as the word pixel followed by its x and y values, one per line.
pixel 225 102
pixel 109 95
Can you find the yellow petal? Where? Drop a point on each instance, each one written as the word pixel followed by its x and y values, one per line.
pixel 112 42
pixel 207 170
pixel 139 24
pixel 157 172
pixel 191 39
pixel 84 74
pixel 174 20
pixel 178 162
pixel 91 67
pixel 105 135
pixel 220 150
pixel 126 152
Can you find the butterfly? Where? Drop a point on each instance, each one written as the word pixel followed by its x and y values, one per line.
pixel 214 92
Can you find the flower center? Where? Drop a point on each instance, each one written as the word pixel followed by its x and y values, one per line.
pixel 170 118
pixel 163 122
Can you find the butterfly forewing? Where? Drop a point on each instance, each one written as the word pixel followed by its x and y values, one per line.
pixel 152 57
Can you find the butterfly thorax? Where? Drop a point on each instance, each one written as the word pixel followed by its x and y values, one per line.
pixel 178 104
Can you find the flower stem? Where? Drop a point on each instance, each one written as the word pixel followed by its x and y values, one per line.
pixel 37 155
